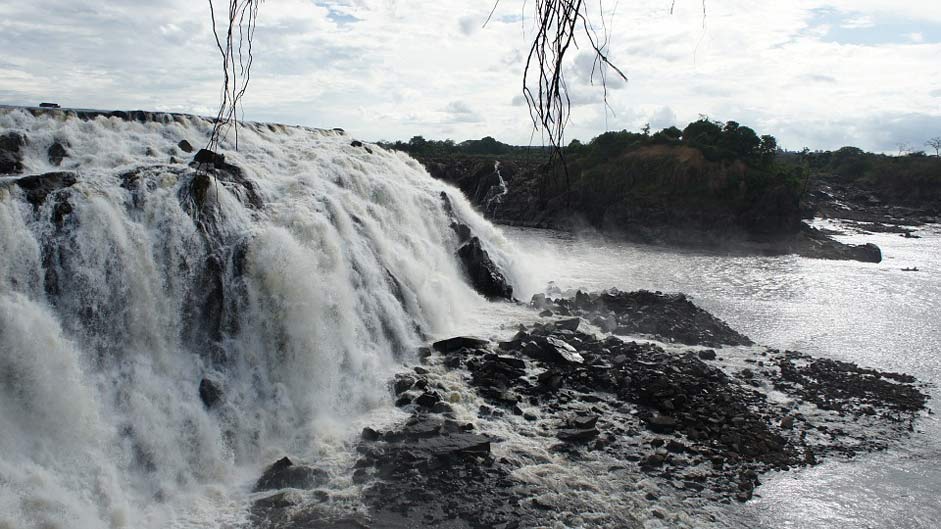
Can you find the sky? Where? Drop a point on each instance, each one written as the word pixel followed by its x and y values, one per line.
pixel 814 73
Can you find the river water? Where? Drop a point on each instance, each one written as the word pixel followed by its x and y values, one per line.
pixel 111 290
pixel 873 314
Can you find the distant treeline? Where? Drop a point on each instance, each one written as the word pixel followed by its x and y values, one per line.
pixel 708 168
pixel 484 147
pixel 913 179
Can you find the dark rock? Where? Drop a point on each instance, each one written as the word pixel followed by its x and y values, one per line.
pixel 207 157
pixel 815 244
pixel 707 354
pixel 186 147
pixel 569 325
pixel 661 423
pixel 370 435
pixel 428 399
pixel 11 155
pixel 552 351
pixel 457 343
pixel 402 383
pixel 356 143
pixel 56 154
pixel 284 474
pixel 210 392
pixel 577 435
pixel 484 275
pixel 38 187
pixel 49 105
pixel 462 230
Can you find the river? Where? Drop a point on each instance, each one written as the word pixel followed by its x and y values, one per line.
pixel 874 315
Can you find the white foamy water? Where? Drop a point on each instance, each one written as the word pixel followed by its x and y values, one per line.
pixel 327 288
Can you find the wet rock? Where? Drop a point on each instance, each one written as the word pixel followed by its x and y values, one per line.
pixel 574 435
pixel 284 474
pixel 210 392
pixel 11 156
pixel 370 435
pixel 538 301
pixel 707 354
pixel 428 399
pixel 38 187
pixel 459 342
pixel 668 317
pixel 213 171
pixel 552 351
pixel 569 324
pixel 185 146
pixel 207 157
pixel 56 153
pixel 484 275
pixel 817 245
pixel 661 423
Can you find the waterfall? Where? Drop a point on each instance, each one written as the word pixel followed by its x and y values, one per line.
pixel 290 280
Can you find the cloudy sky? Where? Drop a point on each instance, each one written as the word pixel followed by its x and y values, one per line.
pixel 816 73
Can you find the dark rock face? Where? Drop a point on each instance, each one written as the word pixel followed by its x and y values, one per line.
pixel 11 156
pixel 38 187
pixel 704 423
pixel 459 342
pixel 815 244
pixel 284 474
pixel 668 317
pixel 210 392
pixel 436 472
pixel 56 154
pixel 185 146
pixel 484 275
pixel 212 169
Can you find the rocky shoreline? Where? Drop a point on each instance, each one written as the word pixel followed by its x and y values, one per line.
pixel 695 422
pixel 519 203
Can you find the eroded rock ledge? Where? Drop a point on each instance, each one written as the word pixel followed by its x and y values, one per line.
pixel 664 429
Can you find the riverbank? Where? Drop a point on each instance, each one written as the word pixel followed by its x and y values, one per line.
pixel 510 192
pixel 700 425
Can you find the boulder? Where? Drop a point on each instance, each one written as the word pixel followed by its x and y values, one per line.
pixel 661 423
pixel 210 392
pixel 552 351
pixel 56 154
pixel 484 275
pixel 457 343
pixel 38 187
pixel 574 435
pixel 11 155
pixel 185 146
pixel 284 474
pixel 569 324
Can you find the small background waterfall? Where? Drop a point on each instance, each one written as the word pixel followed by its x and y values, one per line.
pixel 296 290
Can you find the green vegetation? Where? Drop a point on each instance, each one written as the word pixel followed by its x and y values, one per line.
pixel 709 172
pixel 488 147
pixel 913 179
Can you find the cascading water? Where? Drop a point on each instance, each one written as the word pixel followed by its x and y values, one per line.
pixel 292 287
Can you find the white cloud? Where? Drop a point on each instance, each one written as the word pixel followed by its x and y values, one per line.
pixel 393 69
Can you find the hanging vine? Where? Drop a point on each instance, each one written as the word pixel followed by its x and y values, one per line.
pixel 234 32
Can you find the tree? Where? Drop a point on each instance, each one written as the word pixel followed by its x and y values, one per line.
pixel 935 143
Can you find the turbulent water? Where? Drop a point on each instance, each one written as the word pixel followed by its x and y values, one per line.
pixel 300 291
pixel 875 315
pixel 344 269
